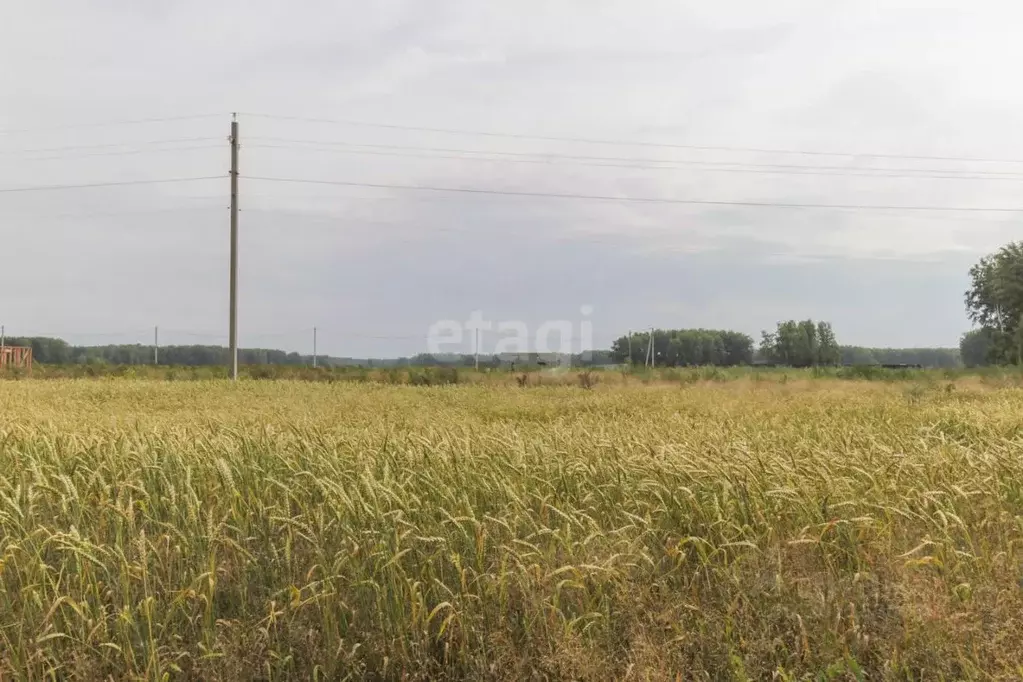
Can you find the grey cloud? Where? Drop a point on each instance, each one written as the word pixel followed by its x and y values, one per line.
pixel 362 262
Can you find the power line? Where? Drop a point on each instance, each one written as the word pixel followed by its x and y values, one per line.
pixel 340 198
pixel 349 221
pixel 128 152
pixel 44 150
pixel 378 337
pixel 669 165
pixel 293 332
pixel 545 156
pixel 47 188
pixel 105 124
pixel 424 232
pixel 628 143
pixel 153 211
pixel 433 230
pixel 276 335
pixel 973 220
pixel 198 335
pixel 646 200
pixel 57 335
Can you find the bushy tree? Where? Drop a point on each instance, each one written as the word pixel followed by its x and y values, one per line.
pixel 977 348
pixel 801 344
pixel 994 301
pixel 828 352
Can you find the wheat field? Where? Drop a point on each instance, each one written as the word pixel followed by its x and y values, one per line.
pixel 825 530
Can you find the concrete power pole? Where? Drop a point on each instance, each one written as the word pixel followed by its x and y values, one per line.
pixel 314 347
pixel 233 325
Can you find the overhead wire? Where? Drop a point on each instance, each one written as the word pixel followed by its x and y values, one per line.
pixel 128 152
pixel 106 124
pixel 37 335
pixel 545 157
pixel 112 214
pixel 527 157
pixel 341 198
pixel 107 145
pixel 612 142
pixel 573 236
pixel 630 199
pixel 675 165
pixel 121 183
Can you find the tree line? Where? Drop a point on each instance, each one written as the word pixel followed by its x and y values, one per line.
pixel 679 347
pixel 52 351
pixel 798 344
pixel 793 343
pixel 945 358
pixel 59 352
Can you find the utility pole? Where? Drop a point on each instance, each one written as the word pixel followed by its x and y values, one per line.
pixel 233 334
pixel 630 348
pixel 314 347
pixel 156 345
pixel 650 350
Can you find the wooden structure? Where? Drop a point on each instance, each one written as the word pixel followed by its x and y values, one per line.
pixel 16 357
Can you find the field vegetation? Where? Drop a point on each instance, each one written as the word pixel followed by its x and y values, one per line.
pixel 679 526
pixel 524 374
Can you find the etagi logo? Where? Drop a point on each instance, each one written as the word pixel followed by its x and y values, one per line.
pixel 563 337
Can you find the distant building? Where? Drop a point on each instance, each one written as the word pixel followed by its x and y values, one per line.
pixel 16 357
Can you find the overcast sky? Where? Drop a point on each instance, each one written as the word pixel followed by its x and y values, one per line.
pixel 373 267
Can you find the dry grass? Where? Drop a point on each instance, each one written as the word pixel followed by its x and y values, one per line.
pixel 745 530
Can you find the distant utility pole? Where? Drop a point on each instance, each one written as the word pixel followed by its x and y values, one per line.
pixel 233 334
pixel 156 345
pixel 650 349
pixel 630 348
pixel 314 347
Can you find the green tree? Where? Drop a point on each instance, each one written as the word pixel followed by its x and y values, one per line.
pixel 801 344
pixel 994 301
pixel 680 347
pixel 738 348
pixel 828 351
pixel 809 344
pixel 786 346
pixel 977 347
